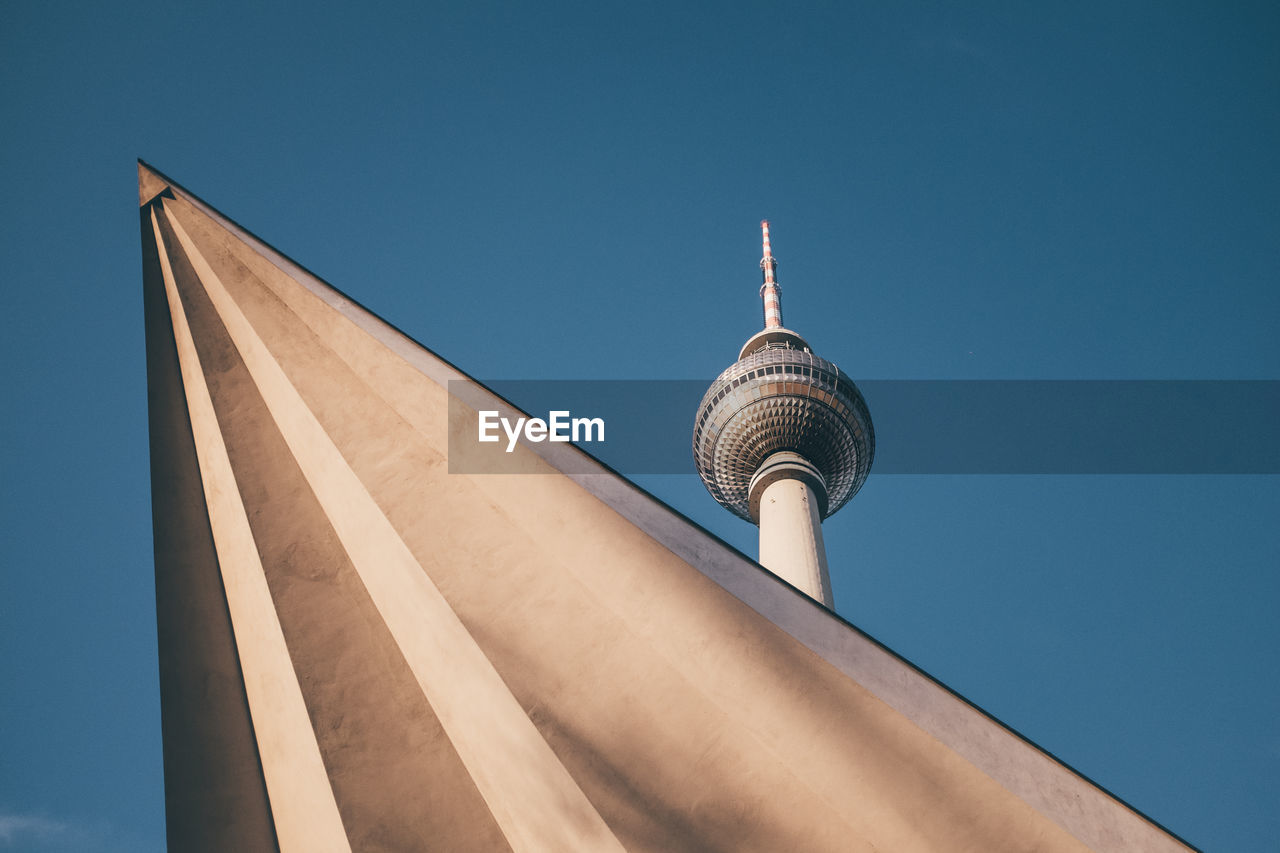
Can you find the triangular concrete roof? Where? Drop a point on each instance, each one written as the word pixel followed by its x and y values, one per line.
pixel 361 650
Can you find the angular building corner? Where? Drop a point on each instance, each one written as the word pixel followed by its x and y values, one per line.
pixel 360 650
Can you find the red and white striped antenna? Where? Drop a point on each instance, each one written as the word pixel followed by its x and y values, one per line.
pixel 770 291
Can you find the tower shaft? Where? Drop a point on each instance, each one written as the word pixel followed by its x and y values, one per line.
pixel 791 543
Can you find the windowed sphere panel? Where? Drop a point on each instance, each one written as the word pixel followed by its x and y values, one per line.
pixel 778 399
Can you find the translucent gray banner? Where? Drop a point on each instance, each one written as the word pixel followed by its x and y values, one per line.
pixel 921 427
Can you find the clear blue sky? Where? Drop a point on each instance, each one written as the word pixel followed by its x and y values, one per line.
pixel 1006 190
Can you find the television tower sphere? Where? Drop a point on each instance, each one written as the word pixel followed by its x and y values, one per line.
pixel 781 414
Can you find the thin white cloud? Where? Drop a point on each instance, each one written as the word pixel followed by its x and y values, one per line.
pixel 954 44
pixel 15 827
pixel 955 47
pixel 37 833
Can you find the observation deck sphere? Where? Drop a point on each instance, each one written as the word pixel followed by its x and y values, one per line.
pixel 782 397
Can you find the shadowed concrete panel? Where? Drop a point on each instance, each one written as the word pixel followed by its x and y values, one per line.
pixel 377 735
pixel 215 796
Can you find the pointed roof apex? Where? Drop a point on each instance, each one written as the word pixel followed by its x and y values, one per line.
pixel 150 183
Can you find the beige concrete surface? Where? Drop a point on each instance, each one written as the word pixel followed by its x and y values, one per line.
pixel 303 809
pixel 150 185
pixel 575 664
pixel 532 797
pixel 215 795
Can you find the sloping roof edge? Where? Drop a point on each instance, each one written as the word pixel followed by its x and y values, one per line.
pixel 1087 811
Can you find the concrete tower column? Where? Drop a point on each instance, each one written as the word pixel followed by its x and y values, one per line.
pixel 787 498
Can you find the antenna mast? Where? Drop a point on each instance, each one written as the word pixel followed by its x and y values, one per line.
pixel 770 291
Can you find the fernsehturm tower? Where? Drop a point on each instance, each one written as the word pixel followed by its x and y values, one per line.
pixel 783 439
